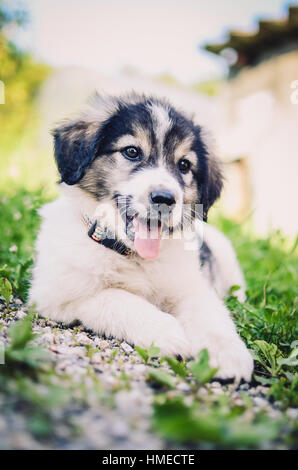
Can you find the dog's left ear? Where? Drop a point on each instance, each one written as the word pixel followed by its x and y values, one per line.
pixel 212 179
pixel 75 145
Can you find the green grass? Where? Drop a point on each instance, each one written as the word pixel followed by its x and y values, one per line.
pixel 267 321
pixel 19 222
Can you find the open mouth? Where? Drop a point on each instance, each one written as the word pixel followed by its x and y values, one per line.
pixel 144 232
pixel 147 237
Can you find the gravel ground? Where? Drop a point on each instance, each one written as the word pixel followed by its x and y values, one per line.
pixel 116 407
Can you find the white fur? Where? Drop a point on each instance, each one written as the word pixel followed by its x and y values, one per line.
pixel 162 120
pixel 227 270
pixel 140 185
pixel 165 301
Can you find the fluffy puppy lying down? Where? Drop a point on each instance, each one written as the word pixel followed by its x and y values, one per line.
pixel 122 249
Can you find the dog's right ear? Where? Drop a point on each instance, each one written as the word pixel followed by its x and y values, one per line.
pixel 75 146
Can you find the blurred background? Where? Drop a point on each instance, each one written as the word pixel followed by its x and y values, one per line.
pixel 234 65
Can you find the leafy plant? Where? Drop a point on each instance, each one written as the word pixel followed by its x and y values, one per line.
pixel 15 265
pixel 267 355
pixel 22 77
pixel 5 289
pixel 161 377
pixel 178 421
pixel 27 377
pixel 148 354
pixel 21 352
pixel 178 367
pixel 200 369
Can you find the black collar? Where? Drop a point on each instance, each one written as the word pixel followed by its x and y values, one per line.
pixel 106 238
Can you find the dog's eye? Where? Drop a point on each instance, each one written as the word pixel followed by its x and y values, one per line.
pixel 132 153
pixel 184 165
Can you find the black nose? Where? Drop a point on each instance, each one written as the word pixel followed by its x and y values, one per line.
pixel 162 197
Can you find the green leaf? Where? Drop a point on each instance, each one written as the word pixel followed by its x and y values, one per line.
pixel 161 377
pixel 153 351
pixel 265 380
pixel 31 356
pixel 146 355
pixel 40 425
pixel 21 333
pixel 291 360
pixel 201 369
pixel 5 289
pixel 176 421
pixel 267 355
pixel 142 352
pixel 233 289
pixel 243 433
pixel 178 367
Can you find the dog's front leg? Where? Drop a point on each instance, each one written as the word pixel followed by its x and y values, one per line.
pixel 207 324
pixel 126 316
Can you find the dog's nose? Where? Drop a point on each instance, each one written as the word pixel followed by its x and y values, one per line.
pixel 160 197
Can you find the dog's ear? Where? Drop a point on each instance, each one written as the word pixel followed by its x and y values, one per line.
pixel 75 145
pixel 212 181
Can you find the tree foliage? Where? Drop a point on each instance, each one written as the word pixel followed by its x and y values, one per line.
pixel 21 76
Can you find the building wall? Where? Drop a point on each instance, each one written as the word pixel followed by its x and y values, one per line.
pixel 261 130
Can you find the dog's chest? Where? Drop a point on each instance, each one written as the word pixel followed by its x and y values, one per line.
pixel 164 281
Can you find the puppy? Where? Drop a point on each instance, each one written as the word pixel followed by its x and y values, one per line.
pixel 125 249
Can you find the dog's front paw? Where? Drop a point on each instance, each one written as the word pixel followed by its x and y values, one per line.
pixel 168 335
pixel 230 356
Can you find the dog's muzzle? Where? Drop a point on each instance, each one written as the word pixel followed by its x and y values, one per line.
pixel 144 227
pixel 162 199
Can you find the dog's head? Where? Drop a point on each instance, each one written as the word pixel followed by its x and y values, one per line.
pixel 144 159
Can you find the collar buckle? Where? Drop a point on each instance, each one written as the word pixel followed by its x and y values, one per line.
pixel 96 234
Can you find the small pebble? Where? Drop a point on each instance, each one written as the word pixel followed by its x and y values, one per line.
pixel 292 413
pixel 244 387
pixel 126 347
pixel 260 402
pixel 183 387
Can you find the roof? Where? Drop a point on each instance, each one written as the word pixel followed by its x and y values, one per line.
pixel 270 34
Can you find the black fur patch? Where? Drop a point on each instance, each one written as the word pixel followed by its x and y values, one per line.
pixel 205 254
pixel 74 150
pixel 206 259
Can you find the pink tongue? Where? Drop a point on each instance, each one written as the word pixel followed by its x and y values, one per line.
pixel 147 242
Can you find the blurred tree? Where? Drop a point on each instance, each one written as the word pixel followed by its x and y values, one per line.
pixel 21 77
